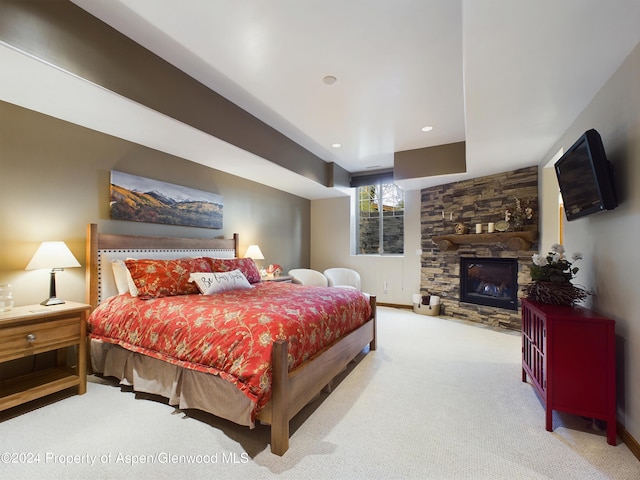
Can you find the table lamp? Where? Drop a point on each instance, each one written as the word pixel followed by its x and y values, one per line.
pixel 254 252
pixel 57 257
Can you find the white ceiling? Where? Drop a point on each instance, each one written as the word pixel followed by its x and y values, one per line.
pixel 506 76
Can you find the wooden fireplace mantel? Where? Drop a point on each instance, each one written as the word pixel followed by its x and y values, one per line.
pixel 513 240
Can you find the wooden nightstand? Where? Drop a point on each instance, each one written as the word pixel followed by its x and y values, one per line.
pixel 281 278
pixel 34 329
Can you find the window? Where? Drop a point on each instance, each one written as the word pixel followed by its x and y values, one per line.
pixel 380 226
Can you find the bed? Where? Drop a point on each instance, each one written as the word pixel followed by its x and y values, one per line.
pixel 299 337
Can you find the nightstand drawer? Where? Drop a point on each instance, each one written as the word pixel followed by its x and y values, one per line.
pixel 30 339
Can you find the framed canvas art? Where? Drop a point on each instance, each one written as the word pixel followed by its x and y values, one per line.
pixel 140 199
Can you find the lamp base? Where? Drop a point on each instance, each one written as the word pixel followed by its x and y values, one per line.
pixel 52 301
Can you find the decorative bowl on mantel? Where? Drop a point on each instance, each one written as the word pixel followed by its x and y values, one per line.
pixel 502 226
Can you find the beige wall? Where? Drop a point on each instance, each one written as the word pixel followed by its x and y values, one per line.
pixel 54 179
pixel 608 240
pixel 331 228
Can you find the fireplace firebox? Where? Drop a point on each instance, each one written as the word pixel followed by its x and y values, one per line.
pixel 489 281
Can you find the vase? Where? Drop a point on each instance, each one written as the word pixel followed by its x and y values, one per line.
pixel 6 297
pixel 516 225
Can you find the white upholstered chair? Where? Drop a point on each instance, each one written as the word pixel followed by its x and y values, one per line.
pixel 306 276
pixel 343 277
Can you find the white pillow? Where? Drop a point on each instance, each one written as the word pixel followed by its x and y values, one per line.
pixel 122 276
pixel 217 282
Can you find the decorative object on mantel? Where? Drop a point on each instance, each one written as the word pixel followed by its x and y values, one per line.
pixel 512 240
pixel 552 277
pixel 460 229
pixel 502 226
pixel 518 214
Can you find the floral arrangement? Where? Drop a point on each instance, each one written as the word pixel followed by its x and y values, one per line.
pixel 554 267
pixel 519 213
pixel 552 275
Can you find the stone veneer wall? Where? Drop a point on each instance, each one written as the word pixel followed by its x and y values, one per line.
pixel 481 200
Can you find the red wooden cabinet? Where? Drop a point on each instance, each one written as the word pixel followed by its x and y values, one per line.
pixel 569 355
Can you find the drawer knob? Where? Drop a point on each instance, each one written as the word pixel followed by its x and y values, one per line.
pixel 31 338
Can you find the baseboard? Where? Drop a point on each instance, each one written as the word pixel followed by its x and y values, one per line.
pixel 628 440
pixel 394 305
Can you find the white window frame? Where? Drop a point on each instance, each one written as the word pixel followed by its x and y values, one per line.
pixel 393 204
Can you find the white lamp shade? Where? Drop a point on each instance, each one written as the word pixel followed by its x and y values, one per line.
pixel 52 255
pixel 254 252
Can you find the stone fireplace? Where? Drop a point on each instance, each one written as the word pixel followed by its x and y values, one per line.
pixel 480 200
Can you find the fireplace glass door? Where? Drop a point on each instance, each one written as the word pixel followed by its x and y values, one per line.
pixel 489 281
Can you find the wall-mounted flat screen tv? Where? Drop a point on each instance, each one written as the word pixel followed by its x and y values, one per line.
pixel 585 177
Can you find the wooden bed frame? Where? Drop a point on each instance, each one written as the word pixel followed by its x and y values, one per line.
pixel 291 390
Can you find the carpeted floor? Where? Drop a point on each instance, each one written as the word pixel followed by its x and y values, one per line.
pixel 439 399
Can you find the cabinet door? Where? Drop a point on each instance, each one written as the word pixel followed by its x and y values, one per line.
pixel 534 347
pixel 580 366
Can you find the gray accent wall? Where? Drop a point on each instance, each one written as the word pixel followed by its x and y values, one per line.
pixel 63 34
pixel 54 180
pixel 430 162
pixel 54 175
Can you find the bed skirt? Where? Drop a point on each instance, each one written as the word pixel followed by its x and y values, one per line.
pixel 183 388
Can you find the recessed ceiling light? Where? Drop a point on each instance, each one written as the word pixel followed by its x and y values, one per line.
pixel 428 128
pixel 336 145
pixel 329 79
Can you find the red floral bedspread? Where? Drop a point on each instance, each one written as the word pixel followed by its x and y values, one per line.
pixel 231 333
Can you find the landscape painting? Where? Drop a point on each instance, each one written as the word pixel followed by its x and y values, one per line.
pixel 141 199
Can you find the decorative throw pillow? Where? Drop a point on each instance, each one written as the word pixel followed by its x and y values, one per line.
pixel 247 266
pixel 121 275
pixel 217 282
pixel 133 290
pixel 164 278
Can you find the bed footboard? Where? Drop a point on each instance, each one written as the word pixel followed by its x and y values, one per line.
pixel 291 391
